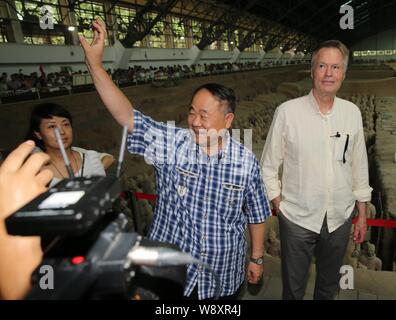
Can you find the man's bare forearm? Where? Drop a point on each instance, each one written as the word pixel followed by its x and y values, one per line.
pixel 257 232
pixel 361 207
pixel 113 98
pixel 276 203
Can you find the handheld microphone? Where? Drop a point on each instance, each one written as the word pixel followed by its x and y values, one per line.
pixel 64 155
pixel 122 150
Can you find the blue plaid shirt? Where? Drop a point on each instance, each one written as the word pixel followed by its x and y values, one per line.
pixel 203 203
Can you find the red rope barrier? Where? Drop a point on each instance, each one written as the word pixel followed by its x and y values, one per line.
pixel 379 223
pixel 370 222
pixel 145 196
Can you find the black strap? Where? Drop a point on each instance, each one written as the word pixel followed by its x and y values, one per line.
pixel 345 148
pixel 82 166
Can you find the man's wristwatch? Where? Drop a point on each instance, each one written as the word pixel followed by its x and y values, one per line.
pixel 258 261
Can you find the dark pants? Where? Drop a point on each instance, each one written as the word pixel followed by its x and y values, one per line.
pixel 298 245
pixel 194 295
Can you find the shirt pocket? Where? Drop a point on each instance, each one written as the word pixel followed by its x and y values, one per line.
pixel 230 201
pixel 185 185
pixel 186 180
pixel 343 146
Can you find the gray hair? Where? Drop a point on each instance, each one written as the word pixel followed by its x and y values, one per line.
pixel 331 44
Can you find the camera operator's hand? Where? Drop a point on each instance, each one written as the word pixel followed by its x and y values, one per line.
pixel 20 182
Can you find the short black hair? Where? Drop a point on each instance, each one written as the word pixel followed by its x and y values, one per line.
pixel 45 111
pixel 222 93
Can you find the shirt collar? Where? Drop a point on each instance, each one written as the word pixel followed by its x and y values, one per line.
pixel 222 154
pixel 315 107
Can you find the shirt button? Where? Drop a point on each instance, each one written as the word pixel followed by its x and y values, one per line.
pixel 206 198
pixel 205 216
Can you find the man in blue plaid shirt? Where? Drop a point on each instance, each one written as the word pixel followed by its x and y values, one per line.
pixel 209 185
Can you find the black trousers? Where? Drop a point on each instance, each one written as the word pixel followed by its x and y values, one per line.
pixel 298 245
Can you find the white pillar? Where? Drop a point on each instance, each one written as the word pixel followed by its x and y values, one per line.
pixel 121 56
pixel 235 55
pixel 261 56
pixel 195 55
pixel 17 32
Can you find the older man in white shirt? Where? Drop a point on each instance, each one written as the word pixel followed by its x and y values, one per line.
pixel 319 140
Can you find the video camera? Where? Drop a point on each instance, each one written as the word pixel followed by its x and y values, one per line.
pixel 91 252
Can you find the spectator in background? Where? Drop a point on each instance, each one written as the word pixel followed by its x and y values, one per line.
pixel 44 118
pixel 3 84
pixel 14 84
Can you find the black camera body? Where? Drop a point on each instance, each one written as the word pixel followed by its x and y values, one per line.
pixel 87 246
pixel 70 208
